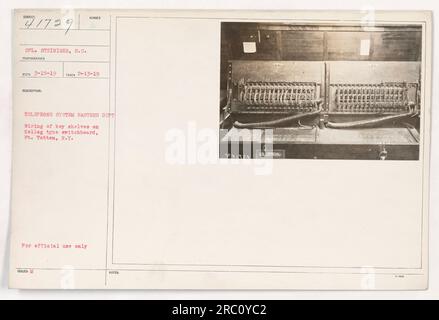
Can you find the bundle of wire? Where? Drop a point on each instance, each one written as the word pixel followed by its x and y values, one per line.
pixel 278 122
pixel 369 122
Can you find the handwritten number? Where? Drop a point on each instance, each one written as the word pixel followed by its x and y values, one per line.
pixel 69 23
pixel 29 22
pixel 45 23
pixel 48 22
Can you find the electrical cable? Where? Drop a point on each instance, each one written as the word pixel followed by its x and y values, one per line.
pixel 369 122
pixel 278 122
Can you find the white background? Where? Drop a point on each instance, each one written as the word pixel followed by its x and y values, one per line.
pixel 5 148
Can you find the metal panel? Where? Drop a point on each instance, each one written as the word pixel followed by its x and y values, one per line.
pixel 272 71
pixel 373 72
